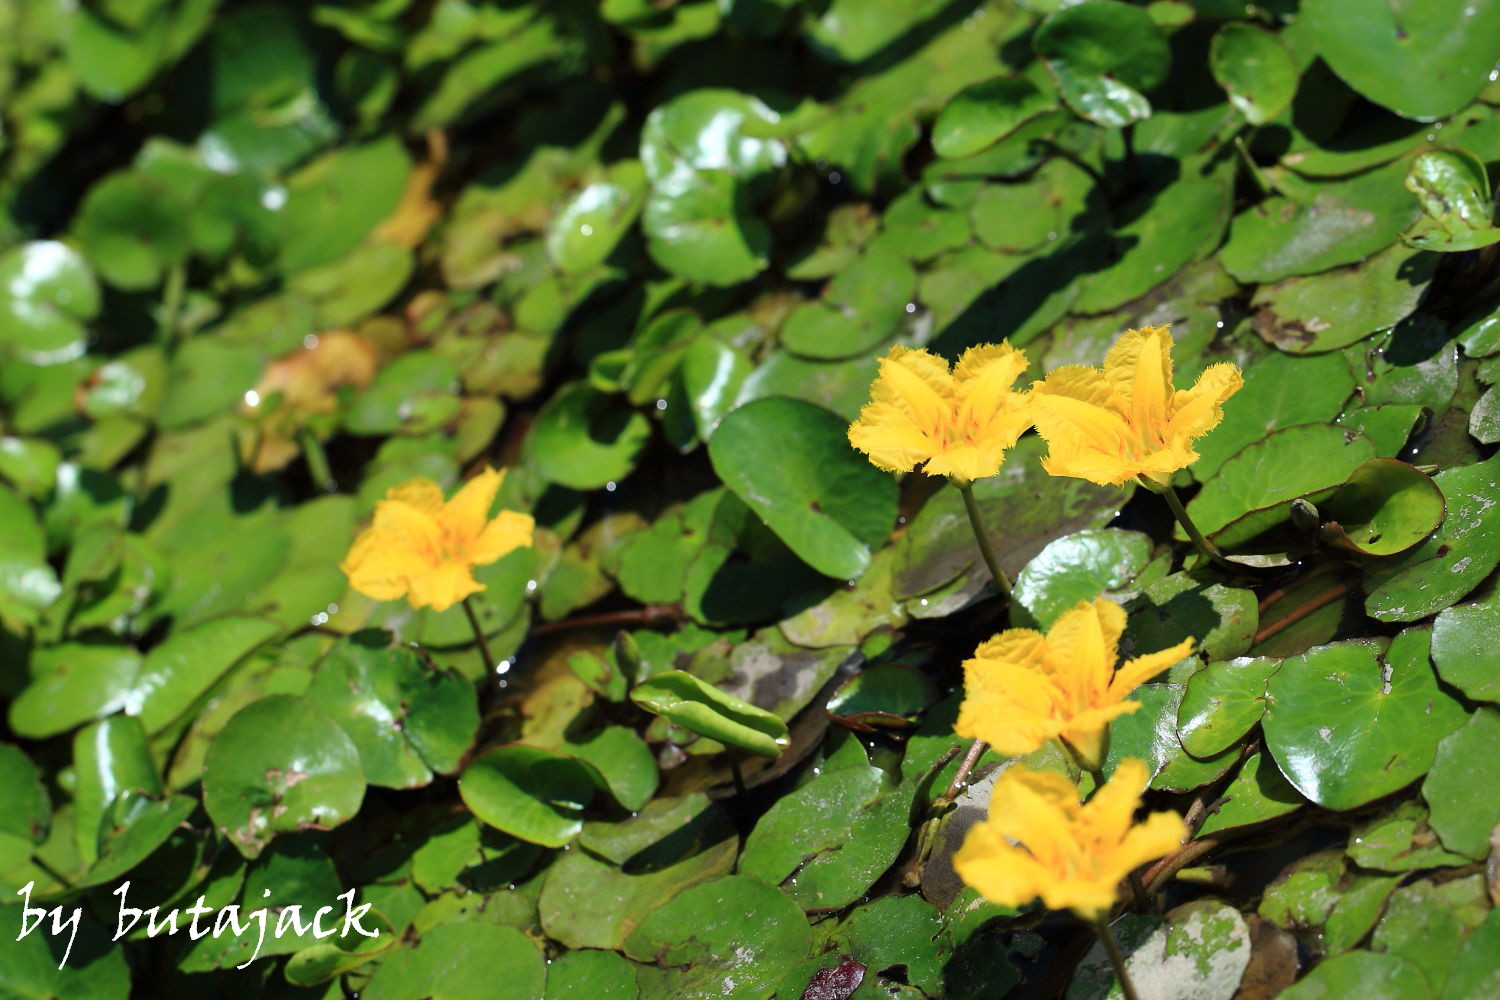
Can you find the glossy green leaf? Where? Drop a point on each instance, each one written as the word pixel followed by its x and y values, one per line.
pixel 528 793
pixel 1149 734
pixel 1384 509
pixel 1222 702
pixel 981 115
pixel 47 296
pixel 859 308
pixel 180 670
pixel 791 463
pixel 1259 793
pixel 280 765
pixel 1421 60
pixel 584 440
pixel 1466 759
pixel 462 961
pixel 1079 567
pixel 1453 560
pixel 1103 54
pixel 408 719
pixel 1255 68
pixel 1350 722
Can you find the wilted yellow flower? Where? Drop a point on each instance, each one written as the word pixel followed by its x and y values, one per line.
pixel 960 422
pixel 1040 841
pixel 425 550
pixel 1023 688
pixel 1127 420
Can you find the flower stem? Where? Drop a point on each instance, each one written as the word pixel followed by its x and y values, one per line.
pixel 1116 959
pixel 317 462
pixel 484 647
pixel 1199 539
pixel 972 506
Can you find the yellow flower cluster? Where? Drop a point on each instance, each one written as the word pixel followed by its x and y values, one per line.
pixel 1040 841
pixel 424 549
pixel 1112 425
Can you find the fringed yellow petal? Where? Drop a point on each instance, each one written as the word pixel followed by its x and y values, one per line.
pixel 960 424
pixel 509 531
pixel 1127 420
pixel 464 516
pixel 1133 673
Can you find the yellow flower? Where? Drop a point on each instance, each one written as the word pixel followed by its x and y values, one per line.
pixel 1023 688
pixel 1127 420
pixel 1039 841
pixel 425 550
pixel 960 422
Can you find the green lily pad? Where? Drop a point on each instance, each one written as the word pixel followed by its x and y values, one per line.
pixel 181 669
pixel 589 227
pixel 338 199
pixel 1180 223
pixel 826 843
pixel 695 944
pixel 1024 216
pixel 1221 619
pixel 600 975
pixel 1350 722
pixel 48 295
pixel 1335 223
pixel 1103 54
pixel 32 965
pixel 696 227
pixel 1259 793
pixel 1335 308
pixel 1368 974
pixel 1425 924
pixel 31 812
pixel 1384 509
pixel 859 308
pixel 791 463
pixel 1305 892
pixel 596 898
pixel 1475 971
pixel 462 961
pixel 72 684
pixel 1455 193
pixel 1358 908
pixel 1461 649
pixel 1415 364
pixel 416 393
pixel 1078 567
pixel 528 793
pixel 132 828
pixel 1466 760
pixel 1453 560
pixel 584 440
pixel 1423 61
pixel 981 115
pixel 1400 840
pixel 1262 480
pixel 710 129
pixel 1223 701
pixel 1150 734
pixel 1256 70
pixel 280 765
pixel 699 707
pixel 624 763
pixel 407 719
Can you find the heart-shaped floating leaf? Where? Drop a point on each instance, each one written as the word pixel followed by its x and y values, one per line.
pixel 686 701
pixel 791 463
pixel 1350 722
pixel 1467 759
pixel 1103 53
pixel 533 794
pixel 1386 507
pixel 280 765
pixel 979 116
pixel 1423 60
pixel 1255 68
pixel 1462 647
pixel 1222 702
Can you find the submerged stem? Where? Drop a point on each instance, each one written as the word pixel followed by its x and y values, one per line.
pixel 985 550
pixel 1116 959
